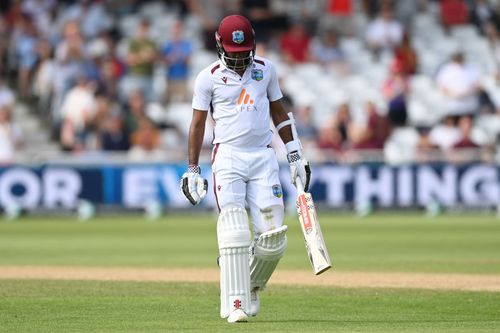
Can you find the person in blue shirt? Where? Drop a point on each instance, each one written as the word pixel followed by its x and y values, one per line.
pixel 176 54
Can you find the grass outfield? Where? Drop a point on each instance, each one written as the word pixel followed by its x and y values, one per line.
pixel 400 243
pixel 88 306
pixel 392 243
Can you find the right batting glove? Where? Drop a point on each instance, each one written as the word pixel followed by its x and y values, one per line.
pixel 193 186
pixel 299 167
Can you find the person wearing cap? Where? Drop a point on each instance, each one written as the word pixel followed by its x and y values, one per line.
pixel 241 93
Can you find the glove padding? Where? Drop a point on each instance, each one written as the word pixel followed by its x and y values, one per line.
pixel 193 186
pixel 299 167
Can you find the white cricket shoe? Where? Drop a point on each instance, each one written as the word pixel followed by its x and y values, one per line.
pixel 237 316
pixel 254 302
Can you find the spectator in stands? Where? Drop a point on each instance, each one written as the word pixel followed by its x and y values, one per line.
pixel 466 149
pixel 406 55
pixel 328 53
pixel 97 51
pixel 70 57
pixel 4 45
pixel 42 13
pixel 425 146
pixel 445 135
pixel 112 70
pixel 141 61
pixel 209 13
pixel 395 90
pixel 482 14
pixel 385 32
pixel 370 7
pixel 8 131
pixel 26 50
pixel 10 137
pixel 340 17
pixel 135 110
pixel 265 22
pixel 114 136
pixel 465 127
pixel 145 142
pixel 15 27
pixel 78 111
pixel 91 15
pixel 459 82
pixel 7 98
pixel 176 55
pixel 295 44
pixel 494 43
pixel 43 83
pixel 453 12
pixel 371 135
pixel 334 135
pixel 405 10
pixel 306 129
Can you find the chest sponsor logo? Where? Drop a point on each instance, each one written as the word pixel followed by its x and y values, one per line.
pixel 245 103
pixel 257 74
pixel 244 98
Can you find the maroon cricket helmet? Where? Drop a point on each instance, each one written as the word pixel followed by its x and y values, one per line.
pixel 235 34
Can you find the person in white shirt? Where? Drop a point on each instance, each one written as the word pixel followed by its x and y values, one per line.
pixel 384 33
pixel 242 94
pixel 78 111
pixel 10 137
pixel 460 85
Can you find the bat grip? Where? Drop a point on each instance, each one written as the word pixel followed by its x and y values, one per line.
pixel 299 186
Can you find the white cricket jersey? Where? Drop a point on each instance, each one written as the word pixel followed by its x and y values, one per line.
pixel 239 105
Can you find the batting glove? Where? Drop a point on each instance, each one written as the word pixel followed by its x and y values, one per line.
pixel 299 167
pixel 193 186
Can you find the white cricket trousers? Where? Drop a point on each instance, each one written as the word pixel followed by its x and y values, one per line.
pixel 249 177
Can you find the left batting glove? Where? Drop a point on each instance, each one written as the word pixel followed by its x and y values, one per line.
pixel 193 186
pixel 299 167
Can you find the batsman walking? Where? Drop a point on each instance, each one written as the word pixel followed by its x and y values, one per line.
pixel 242 94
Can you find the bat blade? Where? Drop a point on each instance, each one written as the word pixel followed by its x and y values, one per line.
pixel 313 237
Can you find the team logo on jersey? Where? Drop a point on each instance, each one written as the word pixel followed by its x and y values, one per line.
pixel 238 36
pixel 257 74
pixel 224 79
pixel 277 191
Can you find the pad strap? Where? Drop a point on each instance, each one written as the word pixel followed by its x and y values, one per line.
pixel 284 123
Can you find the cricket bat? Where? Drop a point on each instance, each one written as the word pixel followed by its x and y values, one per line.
pixel 313 237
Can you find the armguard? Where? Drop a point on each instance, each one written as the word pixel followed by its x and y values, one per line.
pixel 293 145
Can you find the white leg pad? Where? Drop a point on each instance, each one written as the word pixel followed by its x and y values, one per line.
pixel 267 252
pixel 234 238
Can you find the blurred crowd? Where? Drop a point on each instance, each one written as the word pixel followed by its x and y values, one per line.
pixel 96 71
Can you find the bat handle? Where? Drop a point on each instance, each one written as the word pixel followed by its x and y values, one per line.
pixel 299 185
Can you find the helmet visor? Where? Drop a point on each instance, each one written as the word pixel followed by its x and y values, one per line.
pixel 238 60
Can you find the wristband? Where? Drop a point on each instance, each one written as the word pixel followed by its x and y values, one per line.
pixel 194 168
pixel 293 157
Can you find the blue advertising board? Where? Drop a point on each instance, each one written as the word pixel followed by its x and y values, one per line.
pixel 332 185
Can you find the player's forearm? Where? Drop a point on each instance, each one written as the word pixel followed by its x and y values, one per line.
pixel 285 133
pixel 196 135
